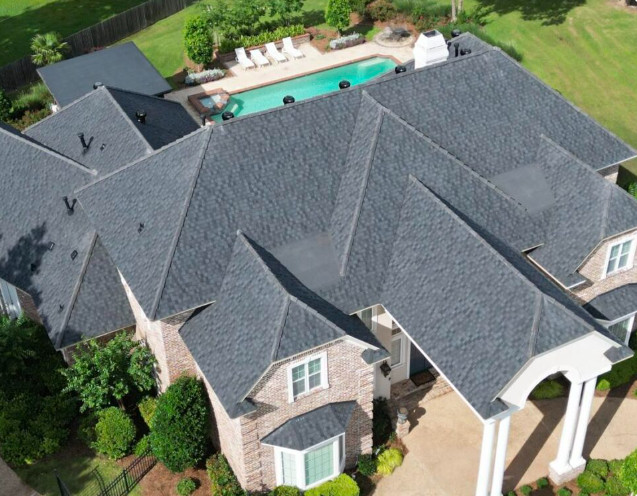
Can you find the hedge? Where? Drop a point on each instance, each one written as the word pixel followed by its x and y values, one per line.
pixel 114 433
pixel 343 485
pixel 228 45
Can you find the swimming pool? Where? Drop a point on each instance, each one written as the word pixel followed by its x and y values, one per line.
pixel 301 88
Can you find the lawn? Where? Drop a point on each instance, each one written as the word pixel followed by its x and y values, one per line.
pixel 20 20
pixel 75 464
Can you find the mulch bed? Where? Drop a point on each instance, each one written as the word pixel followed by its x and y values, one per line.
pixel 162 482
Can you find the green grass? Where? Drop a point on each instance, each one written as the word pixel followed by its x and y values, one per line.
pixel 75 465
pixel 20 20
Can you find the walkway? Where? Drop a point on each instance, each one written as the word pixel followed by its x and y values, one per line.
pixel 444 446
pixel 313 61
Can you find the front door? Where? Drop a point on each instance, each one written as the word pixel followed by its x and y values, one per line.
pixel 417 361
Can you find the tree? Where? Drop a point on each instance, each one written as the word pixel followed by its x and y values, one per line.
pixel 180 425
pixel 48 48
pixel 5 106
pixel 198 40
pixel 337 14
pixel 285 9
pixel 104 374
pixel 235 19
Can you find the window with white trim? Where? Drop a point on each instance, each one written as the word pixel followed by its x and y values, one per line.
pixel 397 351
pixel 311 467
pixel 620 256
pixel 9 302
pixel 623 329
pixel 306 376
pixel 367 316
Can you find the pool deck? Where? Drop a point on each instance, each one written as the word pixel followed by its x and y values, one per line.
pixel 312 62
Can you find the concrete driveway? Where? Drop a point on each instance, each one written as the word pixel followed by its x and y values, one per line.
pixel 444 444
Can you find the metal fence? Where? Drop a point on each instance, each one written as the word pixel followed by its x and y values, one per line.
pixel 105 33
pixel 121 485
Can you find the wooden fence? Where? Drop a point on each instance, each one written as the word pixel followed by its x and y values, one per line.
pixel 105 33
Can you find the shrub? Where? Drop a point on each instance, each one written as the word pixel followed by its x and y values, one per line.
pixel 547 390
pixel 5 106
pixel 628 472
pixel 143 446
pixel 204 76
pixel 186 486
pixel 542 483
pixel 114 433
pixel 526 490
pixel 48 48
pixel 603 385
pixel 343 485
pixel 621 373
pixel 86 429
pixel 614 487
pixel 366 465
pixel 180 425
pixel 147 408
pixel 228 45
pixel 381 10
pixel 198 41
pixel 598 467
pixel 285 491
pixel 360 7
pixel 388 460
pixel 614 466
pixel 222 478
pixel 347 41
pixel 590 482
pixel 564 491
pixel 632 189
pixel 512 493
pixel 381 423
pixel 337 14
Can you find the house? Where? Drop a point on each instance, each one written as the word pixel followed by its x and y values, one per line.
pixel 461 216
pixel 121 66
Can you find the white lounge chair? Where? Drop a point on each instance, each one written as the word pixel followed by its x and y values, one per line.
pixel 243 59
pixel 274 53
pixel 258 58
pixel 288 47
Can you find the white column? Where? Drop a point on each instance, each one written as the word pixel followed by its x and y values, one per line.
pixel 577 460
pixel 500 456
pixel 560 464
pixel 486 454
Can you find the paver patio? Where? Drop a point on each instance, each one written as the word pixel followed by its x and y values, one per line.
pixel 444 445
pixel 313 61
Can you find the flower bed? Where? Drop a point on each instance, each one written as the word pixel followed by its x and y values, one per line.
pixel 206 76
pixel 347 41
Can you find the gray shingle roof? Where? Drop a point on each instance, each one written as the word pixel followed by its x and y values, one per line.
pixel 121 66
pixel 44 250
pixel 107 115
pixel 311 428
pixel 615 303
pixel 264 315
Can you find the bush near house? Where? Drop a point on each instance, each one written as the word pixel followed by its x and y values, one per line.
pixel 198 41
pixel 186 486
pixel 343 485
pixel 388 460
pixel 381 423
pixel 598 467
pixel 590 482
pixel 564 491
pixel 142 446
pixel 366 465
pixel 542 483
pixel 621 373
pixel 547 390
pixel 222 478
pixel 526 490
pixel 179 437
pixel 285 491
pixel 114 433
pixel 35 413
pixel 628 472
pixel 147 408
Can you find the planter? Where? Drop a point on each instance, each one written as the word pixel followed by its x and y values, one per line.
pixel 296 41
pixel 346 42
pixel 202 77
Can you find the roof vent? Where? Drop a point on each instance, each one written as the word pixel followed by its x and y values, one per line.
pixel 456 46
pixel 465 51
pixel 344 84
pixel 34 267
pixel 140 115
pixel 61 306
pixel 227 115
pixel 70 207
pixel 140 228
pixel 288 99
pixel 97 84
pixel 85 145
pixel 455 33
pixel 400 68
pixel 51 246
pixel 73 254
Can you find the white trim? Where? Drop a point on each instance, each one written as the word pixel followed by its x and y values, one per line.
pixel 299 457
pixel 305 361
pixel 398 337
pixel 629 262
pixel 629 328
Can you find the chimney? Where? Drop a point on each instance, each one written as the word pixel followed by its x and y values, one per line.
pixel 430 48
pixel 140 115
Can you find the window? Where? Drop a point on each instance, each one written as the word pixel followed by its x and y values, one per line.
pixel 366 316
pixel 623 329
pixel 397 351
pixel 9 303
pixel 619 256
pixel 311 467
pixel 308 375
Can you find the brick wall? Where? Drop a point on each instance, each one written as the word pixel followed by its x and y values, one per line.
pixel 28 306
pixel 594 266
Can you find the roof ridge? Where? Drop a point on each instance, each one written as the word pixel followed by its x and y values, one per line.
pixel 61 109
pixel 453 157
pixel 182 219
pixel 149 148
pixel 76 289
pixel 368 167
pixel 36 144
pixel 537 315
pixel 279 329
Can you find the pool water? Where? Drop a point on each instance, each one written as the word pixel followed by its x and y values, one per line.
pixel 301 88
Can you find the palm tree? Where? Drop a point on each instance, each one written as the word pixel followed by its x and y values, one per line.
pixel 48 48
